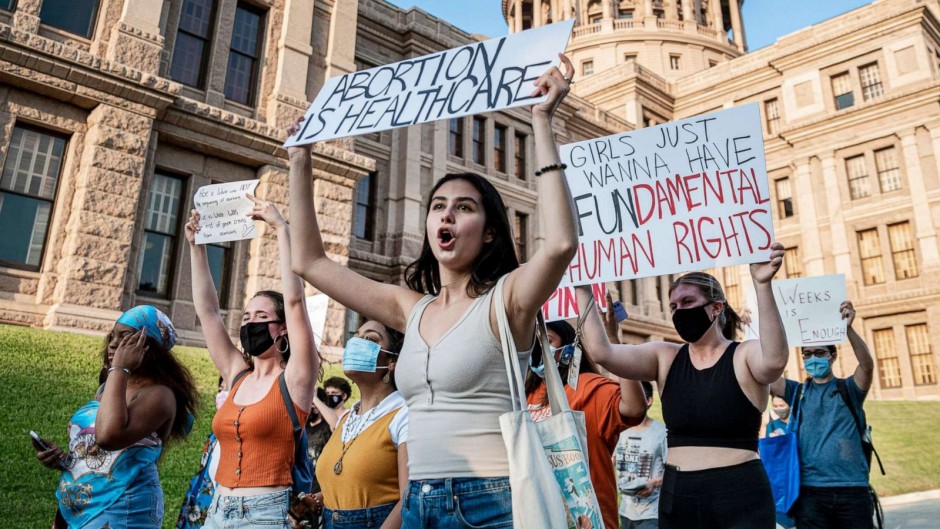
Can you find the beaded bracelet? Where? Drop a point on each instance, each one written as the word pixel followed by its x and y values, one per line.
pixel 552 167
pixel 124 369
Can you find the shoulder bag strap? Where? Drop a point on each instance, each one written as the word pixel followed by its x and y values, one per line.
pixel 510 355
pixel 795 407
pixel 862 433
pixel 289 404
pixel 239 376
pixel 553 384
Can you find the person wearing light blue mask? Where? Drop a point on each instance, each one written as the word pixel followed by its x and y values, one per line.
pixel 834 469
pixel 364 466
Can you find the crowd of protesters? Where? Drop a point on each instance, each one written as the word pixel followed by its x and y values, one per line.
pixel 422 447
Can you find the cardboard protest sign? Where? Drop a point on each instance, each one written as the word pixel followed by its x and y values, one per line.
pixel 682 196
pixel 563 305
pixel 479 77
pixel 809 307
pixel 223 210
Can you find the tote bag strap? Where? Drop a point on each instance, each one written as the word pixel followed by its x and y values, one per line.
pixel 510 355
pixel 556 392
pixel 553 384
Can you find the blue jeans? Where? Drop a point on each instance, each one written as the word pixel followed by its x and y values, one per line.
pixel 140 507
pixel 356 518
pixel 237 512
pixel 457 503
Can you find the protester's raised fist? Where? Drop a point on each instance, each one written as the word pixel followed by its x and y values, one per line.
pixel 555 85
pixel 265 211
pixel 763 273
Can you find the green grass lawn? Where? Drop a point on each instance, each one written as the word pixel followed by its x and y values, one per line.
pixel 45 376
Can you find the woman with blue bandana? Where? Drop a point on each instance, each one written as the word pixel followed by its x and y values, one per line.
pixel 253 426
pixel 109 473
pixel 364 466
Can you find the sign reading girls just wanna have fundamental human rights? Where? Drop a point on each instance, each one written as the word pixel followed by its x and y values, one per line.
pixel 686 195
pixel 481 77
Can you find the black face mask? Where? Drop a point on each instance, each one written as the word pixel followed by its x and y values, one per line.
pixel 255 337
pixel 334 400
pixel 691 324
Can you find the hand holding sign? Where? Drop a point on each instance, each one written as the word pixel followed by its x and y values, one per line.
pixel 764 272
pixel 848 313
pixel 555 85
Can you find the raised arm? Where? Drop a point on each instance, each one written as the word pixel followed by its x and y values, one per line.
pixel 301 370
pixel 633 362
pixel 385 303
pixel 227 358
pixel 527 290
pixel 866 364
pixel 767 357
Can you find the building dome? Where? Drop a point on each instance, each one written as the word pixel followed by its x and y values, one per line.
pixel 672 38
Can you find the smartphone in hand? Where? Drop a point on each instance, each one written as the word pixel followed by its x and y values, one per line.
pixel 38 441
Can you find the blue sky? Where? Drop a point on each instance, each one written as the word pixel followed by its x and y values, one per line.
pixel 764 20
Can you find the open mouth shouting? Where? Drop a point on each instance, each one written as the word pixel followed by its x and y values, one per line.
pixel 445 239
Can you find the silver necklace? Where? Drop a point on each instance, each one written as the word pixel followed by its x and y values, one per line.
pixel 355 423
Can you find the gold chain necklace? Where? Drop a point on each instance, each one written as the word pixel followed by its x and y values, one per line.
pixel 361 423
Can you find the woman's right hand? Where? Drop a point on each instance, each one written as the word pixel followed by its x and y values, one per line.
pixel 51 457
pixel 192 226
pixel 298 150
pixel 555 85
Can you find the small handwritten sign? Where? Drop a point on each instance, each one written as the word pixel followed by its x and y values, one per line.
pixel 317 306
pixel 682 196
pixel 223 212
pixel 810 309
pixel 563 305
pixel 478 77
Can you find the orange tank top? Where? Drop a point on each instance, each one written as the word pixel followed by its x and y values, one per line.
pixel 256 440
pixel 369 476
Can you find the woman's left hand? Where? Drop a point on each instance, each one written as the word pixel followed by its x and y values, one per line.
pixel 764 272
pixel 265 211
pixel 130 352
pixel 555 85
pixel 848 313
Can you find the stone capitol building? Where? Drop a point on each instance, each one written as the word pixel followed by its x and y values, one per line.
pixel 113 112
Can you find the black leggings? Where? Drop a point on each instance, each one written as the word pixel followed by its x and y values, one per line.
pixel 735 497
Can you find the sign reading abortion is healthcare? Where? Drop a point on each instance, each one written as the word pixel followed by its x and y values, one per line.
pixel 686 195
pixel 479 77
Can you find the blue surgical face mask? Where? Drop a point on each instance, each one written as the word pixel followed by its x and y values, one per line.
pixel 361 355
pixel 564 358
pixel 817 367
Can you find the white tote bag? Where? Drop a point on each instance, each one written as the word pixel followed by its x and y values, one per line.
pixel 548 464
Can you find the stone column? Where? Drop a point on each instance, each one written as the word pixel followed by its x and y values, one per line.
pixel 287 98
pixel 608 7
pixel 341 54
pixel 714 7
pixel 102 219
pixel 837 230
pixel 136 40
pixel 687 13
pixel 811 250
pixel 218 60
pixel 536 13
pixel 923 219
pixel 737 26
pixel 647 8
pixel 566 10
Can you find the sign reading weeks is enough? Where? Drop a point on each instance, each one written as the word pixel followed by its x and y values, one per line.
pixel 809 307
pixel 687 195
pixel 223 212
pixel 479 77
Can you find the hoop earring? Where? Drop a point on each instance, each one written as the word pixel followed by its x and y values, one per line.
pixel 286 347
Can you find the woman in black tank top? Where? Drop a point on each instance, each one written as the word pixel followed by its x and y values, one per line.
pixel 713 391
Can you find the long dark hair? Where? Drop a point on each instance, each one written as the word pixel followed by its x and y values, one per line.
pixel 395 341
pixel 497 258
pixel 566 332
pixel 728 320
pixel 161 367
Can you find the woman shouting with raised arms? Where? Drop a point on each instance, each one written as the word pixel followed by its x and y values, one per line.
pixel 451 370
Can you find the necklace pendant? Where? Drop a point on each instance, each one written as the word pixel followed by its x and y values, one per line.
pixel 338 467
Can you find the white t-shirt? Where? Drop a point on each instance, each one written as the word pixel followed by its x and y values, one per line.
pixel 398 428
